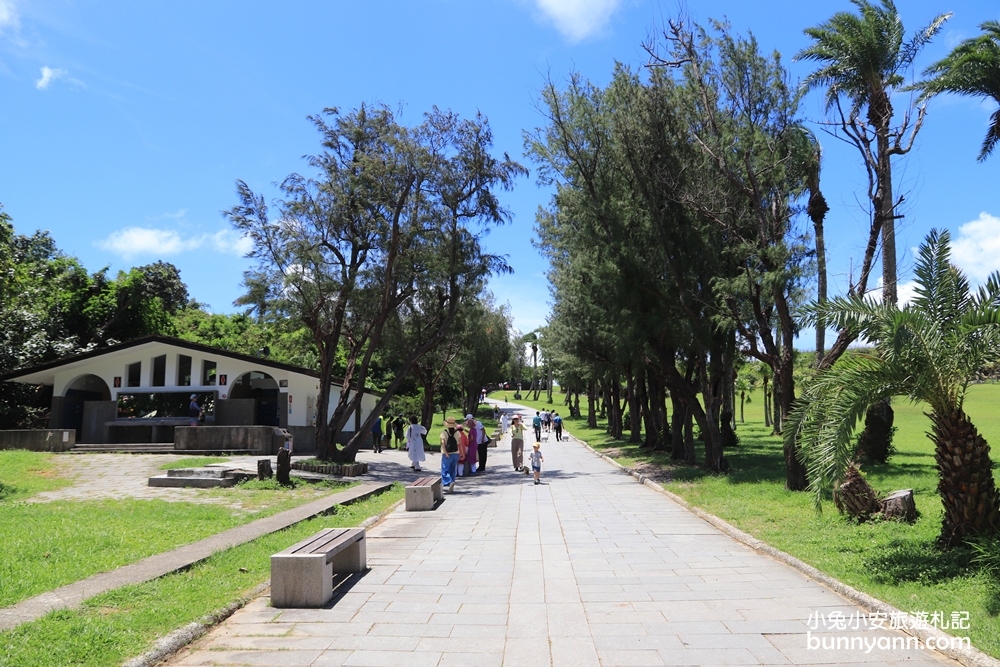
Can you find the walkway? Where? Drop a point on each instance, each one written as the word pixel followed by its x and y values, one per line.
pixel 589 568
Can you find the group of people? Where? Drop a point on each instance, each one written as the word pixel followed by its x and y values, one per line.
pixel 549 421
pixel 463 449
pixel 464 444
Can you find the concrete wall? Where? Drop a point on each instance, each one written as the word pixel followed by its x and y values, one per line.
pixel 304 439
pixel 234 412
pixel 39 440
pixel 96 414
pixel 260 439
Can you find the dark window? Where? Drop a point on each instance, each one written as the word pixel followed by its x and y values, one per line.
pixel 183 370
pixel 159 371
pixel 134 371
pixel 207 373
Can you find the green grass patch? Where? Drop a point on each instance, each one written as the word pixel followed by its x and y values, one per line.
pixel 24 473
pixel 124 623
pixel 47 545
pixel 194 462
pixel 895 562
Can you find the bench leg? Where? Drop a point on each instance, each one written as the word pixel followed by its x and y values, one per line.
pixel 300 581
pixel 352 559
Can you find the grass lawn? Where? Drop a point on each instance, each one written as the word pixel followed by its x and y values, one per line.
pixel 115 626
pixel 894 562
pixel 47 545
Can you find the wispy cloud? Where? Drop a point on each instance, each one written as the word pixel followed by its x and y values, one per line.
pixel 133 242
pixel 10 20
pixel 49 75
pixel 578 19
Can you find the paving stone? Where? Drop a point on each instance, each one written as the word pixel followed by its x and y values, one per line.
pixel 589 569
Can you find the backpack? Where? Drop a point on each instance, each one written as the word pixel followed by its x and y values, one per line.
pixel 451 444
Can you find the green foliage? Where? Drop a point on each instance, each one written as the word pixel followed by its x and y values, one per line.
pixel 973 69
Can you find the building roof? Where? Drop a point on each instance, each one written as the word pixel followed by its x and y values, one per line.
pixel 45 373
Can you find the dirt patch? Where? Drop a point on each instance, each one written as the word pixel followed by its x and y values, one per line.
pixel 613 452
pixel 653 472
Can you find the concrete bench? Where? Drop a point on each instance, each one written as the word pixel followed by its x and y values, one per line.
pixel 423 493
pixel 494 438
pixel 302 574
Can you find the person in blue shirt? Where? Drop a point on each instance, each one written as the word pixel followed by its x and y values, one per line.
pixel 557 425
pixel 536 423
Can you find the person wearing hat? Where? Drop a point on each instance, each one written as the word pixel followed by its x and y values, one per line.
pixel 472 445
pixel 517 443
pixel 451 442
pixel 194 410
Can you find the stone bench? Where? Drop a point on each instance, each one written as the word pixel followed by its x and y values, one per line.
pixel 302 574
pixel 494 438
pixel 423 493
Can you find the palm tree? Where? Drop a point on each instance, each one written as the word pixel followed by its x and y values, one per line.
pixel 863 58
pixel 972 68
pixel 929 351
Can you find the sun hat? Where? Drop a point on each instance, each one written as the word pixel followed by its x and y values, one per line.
pixel 538 445
pixel 194 396
pixel 450 422
pixel 469 417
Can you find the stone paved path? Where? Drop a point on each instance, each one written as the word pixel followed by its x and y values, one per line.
pixel 589 568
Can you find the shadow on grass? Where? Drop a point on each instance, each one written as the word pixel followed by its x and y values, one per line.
pixel 6 491
pixel 922 562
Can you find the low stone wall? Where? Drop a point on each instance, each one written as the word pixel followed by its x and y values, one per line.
pixel 261 440
pixel 39 440
pixel 340 469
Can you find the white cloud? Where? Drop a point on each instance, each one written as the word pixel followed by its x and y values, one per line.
pixel 9 18
pixel 136 241
pixel 976 247
pixel 906 292
pixel 48 76
pixel 578 19
pixel 133 241
pixel 232 242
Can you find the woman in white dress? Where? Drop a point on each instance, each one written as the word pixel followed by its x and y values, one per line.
pixel 415 442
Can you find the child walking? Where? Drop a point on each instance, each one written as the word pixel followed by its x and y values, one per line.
pixel 536 459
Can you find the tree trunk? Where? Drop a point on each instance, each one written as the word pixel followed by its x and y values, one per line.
pixel 817 209
pixel 855 496
pixel 678 420
pixel 875 441
pixel 427 408
pixel 591 409
pixel 689 453
pixel 648 420
pixel 634 411
pixel 767 404
pixel 968 492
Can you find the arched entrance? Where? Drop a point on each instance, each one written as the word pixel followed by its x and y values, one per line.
pixel 81 390
pixel 263 389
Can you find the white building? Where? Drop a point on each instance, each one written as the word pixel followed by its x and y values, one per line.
pixel 139 390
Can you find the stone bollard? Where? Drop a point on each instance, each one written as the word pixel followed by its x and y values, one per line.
pixel 264 469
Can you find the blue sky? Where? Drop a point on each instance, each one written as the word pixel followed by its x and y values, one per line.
pixel 124 126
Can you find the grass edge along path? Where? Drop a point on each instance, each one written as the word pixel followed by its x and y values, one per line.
pixel 967 656
pixel 182 557
pixel 154 619
pixel 844 549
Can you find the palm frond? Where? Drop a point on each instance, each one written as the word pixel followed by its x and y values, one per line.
pixel 824 418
